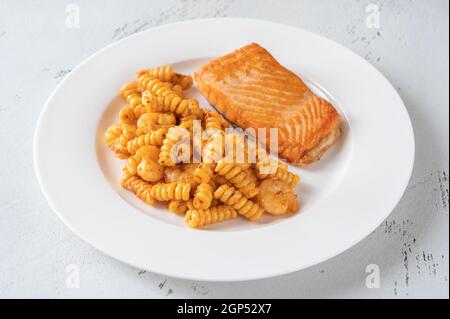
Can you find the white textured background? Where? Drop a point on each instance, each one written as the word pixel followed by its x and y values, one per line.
pixel 411 48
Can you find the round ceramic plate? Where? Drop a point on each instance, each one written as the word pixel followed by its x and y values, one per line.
pixel 344 197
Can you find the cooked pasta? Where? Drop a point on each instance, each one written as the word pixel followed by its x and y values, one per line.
pixel 168 191
pixel 132 164
pixel 117 137
pixel 214 148
pixel 238 177
pixel 281 173
pixel 202 217
pixel 157 133
pixel 203 196
pixel 235 199
pixel 194 109
pixel 112 134
pixel 129 88
pixel 187 123
pixel 176 147
pixel 204 172
pixel 127 116
pixel 130 93
pixel 167 153
pixel 154 137
pixel 178 89
pixel 146 82
pixel 139 187
pixel 163 73
pixel 168 103
pixel 178 207
pixel 213 120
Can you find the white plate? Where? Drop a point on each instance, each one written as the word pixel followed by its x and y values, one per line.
pixel 344 197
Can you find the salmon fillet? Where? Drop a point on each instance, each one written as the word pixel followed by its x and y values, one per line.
pixel 252 90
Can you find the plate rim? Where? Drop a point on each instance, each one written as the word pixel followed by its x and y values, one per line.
pixel 233 278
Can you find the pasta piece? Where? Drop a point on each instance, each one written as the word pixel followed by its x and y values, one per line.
pixel 117 138
pixel 195 110
pixel 216 214
pixel 214 148
pixel 170 103
pixel 176 147
pixel 112 134
pixel 190 205
pixel 251 174
pixel 172 174
pixel 127 116
pixel 120 151
pixel 139 187
pixel 163 73
pixel 155 138
pixel 185 81
pixel 234 198
pixel 178 207
pixel 204 172
pixel 156 81
pixel 128 131
pixel 214 120
pixel 238 177
pixel 146 82
pixel 203 196
pixel 281 173
pixel 133 97
pixel 169 191
pixel 165 156
pixel 178 89
pixel 129 88
pixel 130 93
pixel 187 123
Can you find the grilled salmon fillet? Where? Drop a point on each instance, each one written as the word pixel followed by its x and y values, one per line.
pixel 252 90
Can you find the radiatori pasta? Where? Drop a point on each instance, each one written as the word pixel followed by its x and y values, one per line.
pixel 208 190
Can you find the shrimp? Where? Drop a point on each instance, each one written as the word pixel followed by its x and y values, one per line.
pixel 149 152
pixel 150 170
pixel 277 198
pixel 148 122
